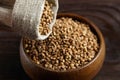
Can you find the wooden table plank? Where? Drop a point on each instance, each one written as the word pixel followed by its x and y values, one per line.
pixel 104 13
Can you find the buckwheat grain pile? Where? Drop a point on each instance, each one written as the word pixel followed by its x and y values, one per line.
pixel 46 19
pixel 71 45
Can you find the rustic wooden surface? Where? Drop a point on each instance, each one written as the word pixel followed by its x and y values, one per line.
pixel 104 13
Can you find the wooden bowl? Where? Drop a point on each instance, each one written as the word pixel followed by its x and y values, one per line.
pixel 87 72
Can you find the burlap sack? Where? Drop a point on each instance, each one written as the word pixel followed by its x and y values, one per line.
pixel 26 17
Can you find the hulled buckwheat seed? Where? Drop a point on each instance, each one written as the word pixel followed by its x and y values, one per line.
pixel 71 45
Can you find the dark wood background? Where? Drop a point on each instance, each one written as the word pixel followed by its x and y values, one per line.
pixel 104 13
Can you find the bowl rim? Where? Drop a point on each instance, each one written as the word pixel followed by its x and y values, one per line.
pixel 92 25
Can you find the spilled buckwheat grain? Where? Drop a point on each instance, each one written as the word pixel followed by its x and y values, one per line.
pixel 71 45
pixel 46 19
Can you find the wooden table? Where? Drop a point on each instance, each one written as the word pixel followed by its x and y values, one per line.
pixel 104 13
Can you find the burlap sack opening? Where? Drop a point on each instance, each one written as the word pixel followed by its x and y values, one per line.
pixel 26 17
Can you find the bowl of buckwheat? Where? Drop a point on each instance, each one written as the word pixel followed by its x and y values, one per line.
pixel 75 50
